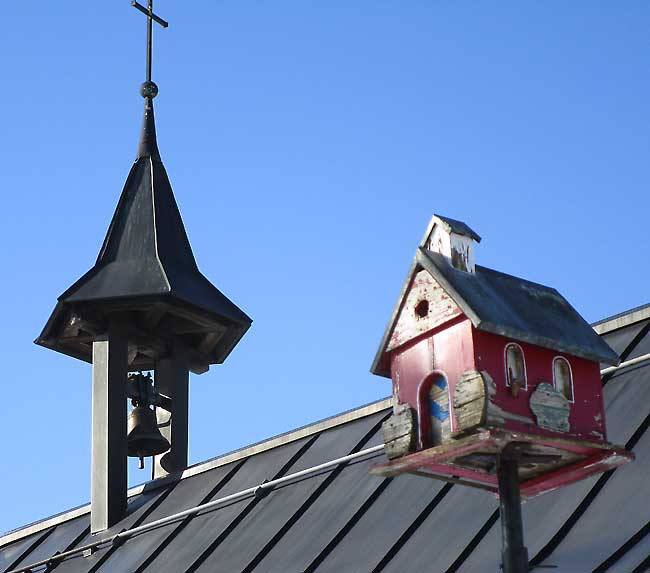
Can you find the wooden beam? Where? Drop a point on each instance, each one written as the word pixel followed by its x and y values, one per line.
pixel 454 480
pixel 209 341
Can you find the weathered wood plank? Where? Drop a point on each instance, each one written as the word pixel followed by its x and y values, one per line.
pixel 471 415
pixel 400 432
pixel 470 401
pixel 470 386
pixel 551 408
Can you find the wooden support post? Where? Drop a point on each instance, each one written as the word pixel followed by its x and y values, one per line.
pixel 109 447
pixel 172 380
pixel 514 552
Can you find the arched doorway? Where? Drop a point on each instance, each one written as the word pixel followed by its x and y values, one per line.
pixel 433 409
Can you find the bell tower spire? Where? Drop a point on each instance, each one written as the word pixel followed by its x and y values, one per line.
pixel 143 307
pixel 149 90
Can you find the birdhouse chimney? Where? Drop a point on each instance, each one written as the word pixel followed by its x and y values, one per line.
pixel 454 240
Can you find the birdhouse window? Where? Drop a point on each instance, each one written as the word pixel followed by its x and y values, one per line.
pixel 563 377
pixel 515 366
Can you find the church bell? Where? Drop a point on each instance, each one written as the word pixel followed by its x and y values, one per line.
pixel 144 437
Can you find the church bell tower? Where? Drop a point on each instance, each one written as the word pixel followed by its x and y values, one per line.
pixel 145 317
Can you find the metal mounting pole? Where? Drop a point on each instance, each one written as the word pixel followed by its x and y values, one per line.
pixel 514 552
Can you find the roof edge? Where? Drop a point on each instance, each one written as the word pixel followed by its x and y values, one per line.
pixel 427 264
pixel 548 343
pixel 622 319
pixel 201 467
pixel 378 368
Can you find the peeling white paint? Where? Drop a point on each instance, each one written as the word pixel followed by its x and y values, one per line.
pixel 439 309
pixel 496 416
pixel 457 249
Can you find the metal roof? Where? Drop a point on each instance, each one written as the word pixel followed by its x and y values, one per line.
pixel 505 305
pixel 347 520
pixel 146 260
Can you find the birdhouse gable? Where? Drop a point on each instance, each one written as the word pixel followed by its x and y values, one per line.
pixel 425 307
pixel 452 239
pixel 424 304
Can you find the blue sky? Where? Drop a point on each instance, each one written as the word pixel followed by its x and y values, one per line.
pixel 308 144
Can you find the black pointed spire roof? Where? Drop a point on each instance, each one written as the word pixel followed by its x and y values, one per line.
pixel 146 266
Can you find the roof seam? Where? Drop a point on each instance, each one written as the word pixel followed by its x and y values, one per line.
pixel 411 529
pixel 473 544
pixel 340 535
pixel 249 507
pixel 255 491
pixel 162 497
pixel 69 546
pixel 202 467
pixel 311 499
pixel 643 566
pixel 628 350
pixel 292 436
pixel 183 523
pixel 623 549
pixel 573 519
pixel 155 226
pixel 30 548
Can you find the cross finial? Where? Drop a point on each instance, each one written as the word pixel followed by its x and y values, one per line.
pixel 149 89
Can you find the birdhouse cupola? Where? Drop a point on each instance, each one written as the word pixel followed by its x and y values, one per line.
pixel 479 359
pixel 452 239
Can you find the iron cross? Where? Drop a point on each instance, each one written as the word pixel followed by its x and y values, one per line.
pixel 151 18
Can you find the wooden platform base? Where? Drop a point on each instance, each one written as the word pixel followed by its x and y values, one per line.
pixel 545 463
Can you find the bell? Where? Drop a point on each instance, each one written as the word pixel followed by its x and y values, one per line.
pixel 144 437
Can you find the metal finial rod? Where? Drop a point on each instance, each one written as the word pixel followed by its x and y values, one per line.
pixel 149 49
pixel 149 89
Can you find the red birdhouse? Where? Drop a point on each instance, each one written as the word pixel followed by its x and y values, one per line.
pixel 481 360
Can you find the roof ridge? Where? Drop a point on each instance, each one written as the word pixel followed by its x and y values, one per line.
pixel 616 321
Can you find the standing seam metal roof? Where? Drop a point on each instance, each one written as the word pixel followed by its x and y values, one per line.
pixel 347 520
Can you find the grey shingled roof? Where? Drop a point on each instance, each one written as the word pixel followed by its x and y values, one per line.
pixel 508 306
pixel 349 521
pixel 457 227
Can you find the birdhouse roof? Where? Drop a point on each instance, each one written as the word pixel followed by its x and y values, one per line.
pixel 345 519
pixel 508 306
pixel 452 226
